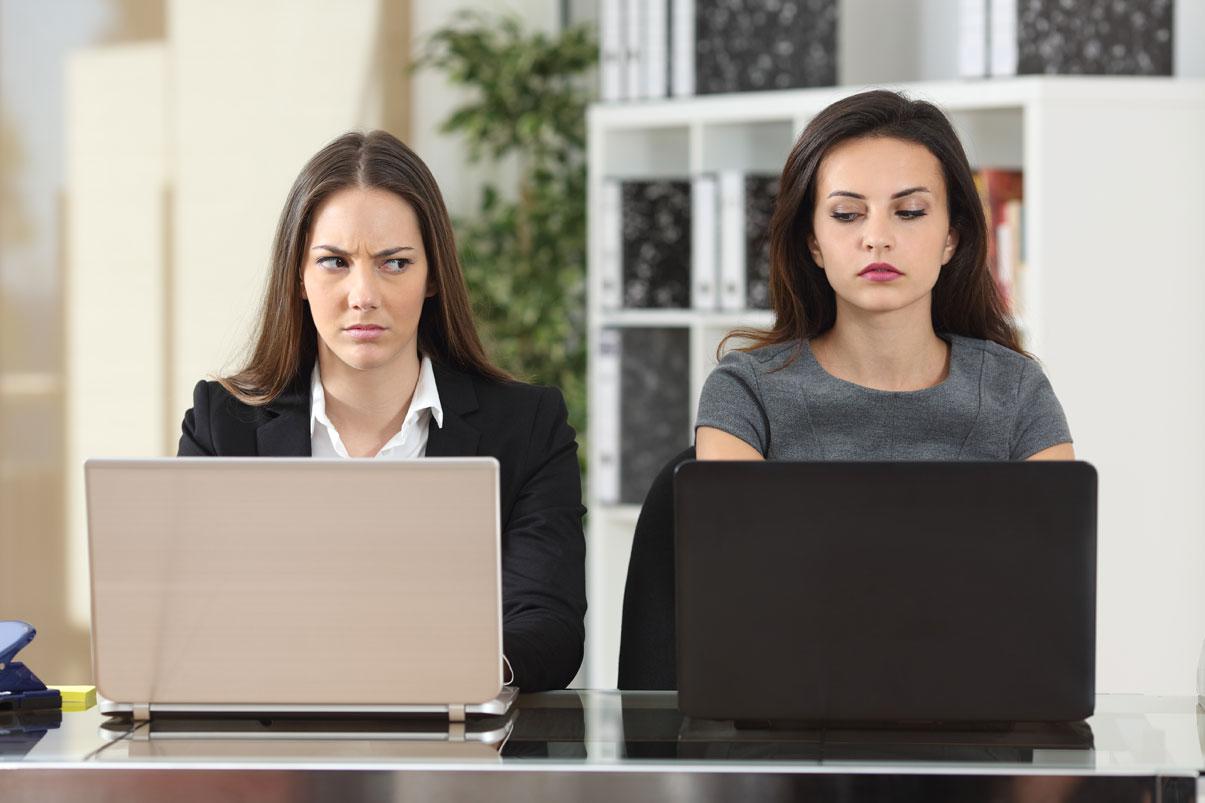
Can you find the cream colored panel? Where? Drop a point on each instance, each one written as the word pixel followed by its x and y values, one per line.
pixel 114 284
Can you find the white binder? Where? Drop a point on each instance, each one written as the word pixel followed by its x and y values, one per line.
pixel 732 240
pixel 973 38
pixel 656 49
pixel 604 416
pixel 704 243
pixel 611 50
pixel 682 48
pixel 633 35
pixel 611 230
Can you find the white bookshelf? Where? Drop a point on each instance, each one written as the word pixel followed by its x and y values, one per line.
pixel 1113 286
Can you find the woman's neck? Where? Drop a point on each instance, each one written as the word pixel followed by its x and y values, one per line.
pixel 367 407
pixel 897 351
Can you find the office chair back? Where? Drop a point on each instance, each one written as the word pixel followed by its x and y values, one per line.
pixel 647 658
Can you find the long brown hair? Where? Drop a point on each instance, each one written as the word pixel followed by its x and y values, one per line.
pixel 965 299
pixel 286 340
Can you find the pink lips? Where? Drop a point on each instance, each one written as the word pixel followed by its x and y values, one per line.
pixel 880 272
pixel 364 332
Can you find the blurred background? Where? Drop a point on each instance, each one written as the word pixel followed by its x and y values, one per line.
pixel 146 147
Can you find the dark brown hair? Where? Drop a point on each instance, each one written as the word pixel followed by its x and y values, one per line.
pixel 286 340
pixel 965 299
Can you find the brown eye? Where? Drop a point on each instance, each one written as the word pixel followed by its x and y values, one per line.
pixel 397 265
pixel 332 263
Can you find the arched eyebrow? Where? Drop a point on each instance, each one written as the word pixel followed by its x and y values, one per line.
pixel 900 194
pixel 337 251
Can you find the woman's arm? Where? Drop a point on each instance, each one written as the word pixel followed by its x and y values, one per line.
pixel 716 444
pixel 1060 451
pixel 732 423
pixel 544 557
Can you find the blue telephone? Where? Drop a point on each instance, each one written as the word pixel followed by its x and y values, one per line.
pixel 20 689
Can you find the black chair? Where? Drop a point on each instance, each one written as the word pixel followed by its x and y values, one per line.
pixel 647 643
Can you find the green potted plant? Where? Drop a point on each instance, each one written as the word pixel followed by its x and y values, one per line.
pixel 524 251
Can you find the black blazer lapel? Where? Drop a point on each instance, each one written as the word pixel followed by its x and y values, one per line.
pixel 286 433
pixel 456 438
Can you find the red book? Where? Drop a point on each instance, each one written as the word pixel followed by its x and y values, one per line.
pixel 997 188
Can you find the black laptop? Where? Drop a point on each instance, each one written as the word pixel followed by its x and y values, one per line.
pixel 886 592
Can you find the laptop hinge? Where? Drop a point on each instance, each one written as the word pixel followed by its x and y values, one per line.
pixel 456 713
pixel 455 731
pixel 141 711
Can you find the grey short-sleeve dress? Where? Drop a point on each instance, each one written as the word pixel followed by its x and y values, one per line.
pixel 995 404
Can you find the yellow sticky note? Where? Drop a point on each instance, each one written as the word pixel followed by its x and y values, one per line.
pixel 77 698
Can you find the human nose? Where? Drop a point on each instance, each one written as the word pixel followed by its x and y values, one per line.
pixel 876 234
pixel 363 293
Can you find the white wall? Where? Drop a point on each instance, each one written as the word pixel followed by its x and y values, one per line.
pixel 115 284
pixel 1121 288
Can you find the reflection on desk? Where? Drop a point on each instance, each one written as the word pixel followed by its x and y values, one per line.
pixel 21 730
pixel 607 745
pixel 550 726
pixel 1021 743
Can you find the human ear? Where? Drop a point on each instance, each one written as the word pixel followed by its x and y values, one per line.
pixel 951 246
pixel 814 248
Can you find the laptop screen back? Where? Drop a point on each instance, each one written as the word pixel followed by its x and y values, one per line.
pixel 295 581
pixel 886 591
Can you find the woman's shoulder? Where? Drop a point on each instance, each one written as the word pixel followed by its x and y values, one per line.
pixel 211 394
pixel 213 399
pixel 763 359
pixel 1001 368
pixel 220 423
pixel 510 398
pixel 508 411
pixel 512 391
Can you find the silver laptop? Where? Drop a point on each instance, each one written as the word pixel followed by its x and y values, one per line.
pixel 276 585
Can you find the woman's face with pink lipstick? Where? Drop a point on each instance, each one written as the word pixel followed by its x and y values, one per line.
pixel 881 230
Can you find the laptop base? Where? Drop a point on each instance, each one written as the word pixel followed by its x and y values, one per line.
pixel 453 713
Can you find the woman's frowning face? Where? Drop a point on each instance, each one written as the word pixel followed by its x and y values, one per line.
pixel 365 276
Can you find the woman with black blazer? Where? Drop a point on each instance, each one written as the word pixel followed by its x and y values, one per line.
pixel 366 347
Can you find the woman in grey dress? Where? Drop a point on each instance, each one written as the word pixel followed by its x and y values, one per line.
pixel 890 340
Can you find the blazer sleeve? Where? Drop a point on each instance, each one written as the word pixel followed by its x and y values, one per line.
pixel 544 556
pixel 196 437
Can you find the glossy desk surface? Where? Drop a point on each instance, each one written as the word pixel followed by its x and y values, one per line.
pixel 599 744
